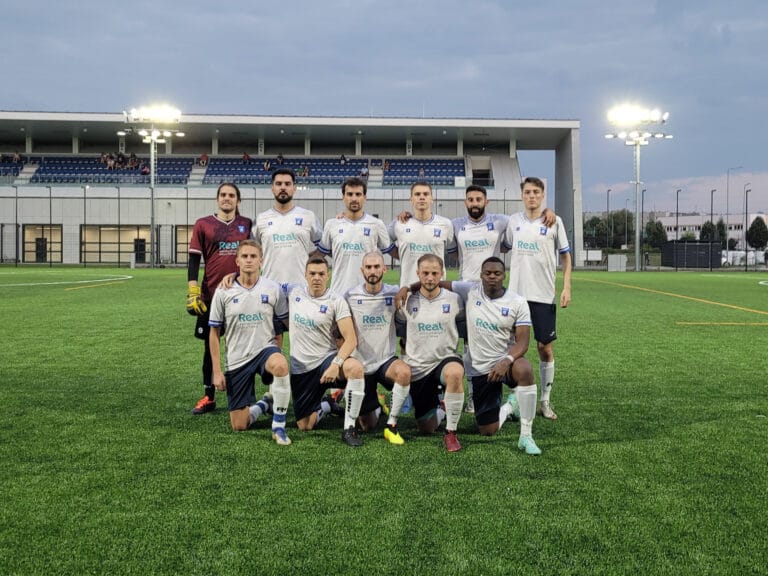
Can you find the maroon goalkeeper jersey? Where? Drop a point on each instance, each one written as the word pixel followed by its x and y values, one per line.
pixel 217 241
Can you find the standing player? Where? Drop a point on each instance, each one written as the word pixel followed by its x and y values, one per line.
pixel 425 233
pixel 347 239
pixel 288 233
pixel 533 271
pixel 432 336
pixel 249 309
pixel 316 362
pixel 498 326
pixel 373 312
pixel 215 240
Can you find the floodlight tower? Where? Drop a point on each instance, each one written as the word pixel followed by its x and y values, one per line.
pixel 162 116
pixel 632 123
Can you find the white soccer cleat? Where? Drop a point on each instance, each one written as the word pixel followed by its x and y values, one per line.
pixel 545 410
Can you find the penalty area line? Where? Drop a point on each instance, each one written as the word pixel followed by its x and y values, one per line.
pixel 721 323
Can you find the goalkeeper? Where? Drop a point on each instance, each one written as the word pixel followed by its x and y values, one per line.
pixel 214 240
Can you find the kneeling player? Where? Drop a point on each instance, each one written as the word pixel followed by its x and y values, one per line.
pixel 498 327
pixel 316 363
pixel 248 310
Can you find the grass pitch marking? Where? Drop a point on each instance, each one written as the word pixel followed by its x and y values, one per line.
pixel 682 296
pixel 97 281
pixel 721 323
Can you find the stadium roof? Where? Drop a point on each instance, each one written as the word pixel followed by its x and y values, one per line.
pixel 58 128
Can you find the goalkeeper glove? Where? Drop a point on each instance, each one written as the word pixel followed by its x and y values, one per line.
pixel 195 304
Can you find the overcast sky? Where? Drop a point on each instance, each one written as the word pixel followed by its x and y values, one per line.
pixel 703 61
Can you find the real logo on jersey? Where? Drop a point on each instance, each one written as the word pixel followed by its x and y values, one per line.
pixel 430 327
pixel 377 320
pixel 258 317
pixel 301 321
pixel 446 308
pixel 323 308
pixel 505 311
pixel 265 298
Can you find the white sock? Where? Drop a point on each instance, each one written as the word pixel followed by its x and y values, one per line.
pixel 354 394
pixel 399 394
pixel 547 375
pixel 454 401
pixel 256 411
pixel 440 415
pixel 526 398
pixel 281 395
pixel 504 412
pixel 469 392
pixel 325 409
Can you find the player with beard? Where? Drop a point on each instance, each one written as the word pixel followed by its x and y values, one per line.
pixel 372 304
pixel 348 238
pixel 288 233
pixel 214 240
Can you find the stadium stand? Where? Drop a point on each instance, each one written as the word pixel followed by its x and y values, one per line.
pixel 89 170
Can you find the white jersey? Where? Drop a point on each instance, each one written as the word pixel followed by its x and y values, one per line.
pixel 491 324
pixel 248 315
pixel 287 240
pixel 374 319
pixel 311 322
pixel 431 334
pixel 535 250
pixel 415 238
pixel 347 241
pixel 477 241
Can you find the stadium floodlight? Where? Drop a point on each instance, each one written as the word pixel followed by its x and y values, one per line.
pixel 161 115
pixel 634 124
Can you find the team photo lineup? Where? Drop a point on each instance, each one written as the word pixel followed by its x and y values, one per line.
pixel 350 332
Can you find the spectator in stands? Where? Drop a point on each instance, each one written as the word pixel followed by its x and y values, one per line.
pixel 133 161
pixel 343 160
pixel 246 158
pixel 364 172
pixel 16 158
pixel 267 165
pixel 422 174
pixel 111 162
pixel 279 160
pixel 120 160
pixel 387 165
pixel 203 160
pixel 103 158
pixel 145 169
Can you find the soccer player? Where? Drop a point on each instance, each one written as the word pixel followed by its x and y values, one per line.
pixel 372 304
pixel 288 233
pixel 425 233
pixel 430 314
pixel 316 362
pixel 215 240
pixel 347 239
pixel 498 327
pixel 535 249
pixel 248 309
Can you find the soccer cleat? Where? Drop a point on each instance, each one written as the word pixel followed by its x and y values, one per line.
pixel 351 437
pixel 526 443
pixel 383 402
pixel 393 436
pixel 204 405
pixel 514 410
pixel 336 408
pixel 280 437
pixel 451 442
pixel 545 410
pixel 470 407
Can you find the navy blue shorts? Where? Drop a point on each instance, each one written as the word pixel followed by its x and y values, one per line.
pixel 487 398
pixel 372 381
pixel 425 391
pixel 307 390
pixel 543 319
pixel 241 381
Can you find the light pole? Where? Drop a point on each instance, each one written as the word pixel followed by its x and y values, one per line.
pixel 711 221
pixel 626 223
pixel 746 223
pixel 163 115
pixel 677 223
pixel 607 216
pixel 16 223
pixel 642 217
pixel 632 121
pixel 727 213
